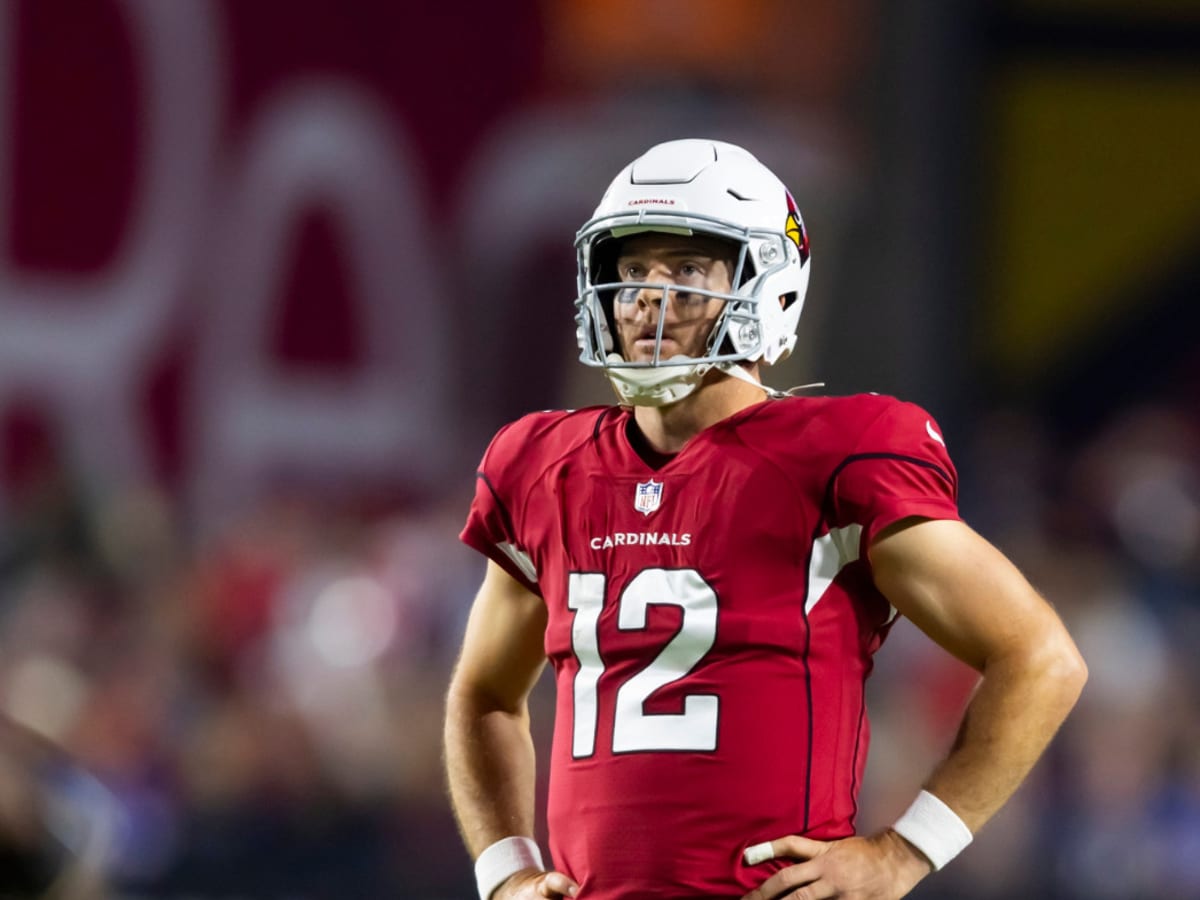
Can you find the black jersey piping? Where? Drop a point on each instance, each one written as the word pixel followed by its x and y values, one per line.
pixel 505 517
pixel 862 714
pixel 828 500
pixel 600 421
pixel 807 563
pixel 900 457
pixel 808 763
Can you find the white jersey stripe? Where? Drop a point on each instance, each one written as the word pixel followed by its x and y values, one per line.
pixel 831 553
pixel 520 559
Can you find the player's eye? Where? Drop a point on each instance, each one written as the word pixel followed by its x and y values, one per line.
pixel 631 272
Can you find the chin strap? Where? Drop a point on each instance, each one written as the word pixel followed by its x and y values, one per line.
pixel 736 371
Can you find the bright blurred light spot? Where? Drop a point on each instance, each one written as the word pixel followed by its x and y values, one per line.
pixel 1157 516
pixel 1126 653
pixel 45 694
pixel 352 622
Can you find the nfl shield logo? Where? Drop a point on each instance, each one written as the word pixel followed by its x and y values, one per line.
pixel 648 496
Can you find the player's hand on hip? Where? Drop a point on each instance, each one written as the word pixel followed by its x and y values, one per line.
pixel 532 884
pixel 881 867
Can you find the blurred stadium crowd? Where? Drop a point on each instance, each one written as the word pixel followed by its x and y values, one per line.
pixel 223 680
pixel 259 715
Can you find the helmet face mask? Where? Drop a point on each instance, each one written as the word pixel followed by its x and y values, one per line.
pixel 695 187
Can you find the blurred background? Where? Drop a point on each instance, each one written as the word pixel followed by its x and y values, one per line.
pixel 272 273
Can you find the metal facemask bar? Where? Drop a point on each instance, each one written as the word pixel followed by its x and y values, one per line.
pixel 597 318
pixel 598 343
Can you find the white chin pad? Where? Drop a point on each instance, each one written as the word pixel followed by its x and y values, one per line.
pixel 653 385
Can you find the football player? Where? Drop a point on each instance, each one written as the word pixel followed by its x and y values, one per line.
pixel 709 567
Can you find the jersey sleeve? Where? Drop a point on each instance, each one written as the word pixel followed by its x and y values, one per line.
pixel 899 468
pixel 490 527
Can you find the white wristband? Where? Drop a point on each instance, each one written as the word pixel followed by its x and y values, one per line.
pixel 502 860
pixel 934 829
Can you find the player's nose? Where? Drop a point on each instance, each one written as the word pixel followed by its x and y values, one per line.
pixel 651 296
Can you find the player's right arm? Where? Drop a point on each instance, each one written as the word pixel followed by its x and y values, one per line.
pixel 489 749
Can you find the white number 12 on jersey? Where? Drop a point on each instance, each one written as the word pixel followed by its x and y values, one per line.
pixel 633 728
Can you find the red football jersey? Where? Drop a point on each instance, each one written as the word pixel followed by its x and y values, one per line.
pixel 711 624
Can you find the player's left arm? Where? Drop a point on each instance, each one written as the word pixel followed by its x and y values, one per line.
pixel 970 599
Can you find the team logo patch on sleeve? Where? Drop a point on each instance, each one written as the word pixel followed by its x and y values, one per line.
pixel 648 496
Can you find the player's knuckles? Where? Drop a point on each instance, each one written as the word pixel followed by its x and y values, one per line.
pixel 799 847
pixel 532 886
pixel 787 846
pixel 791 844
pixel 555 884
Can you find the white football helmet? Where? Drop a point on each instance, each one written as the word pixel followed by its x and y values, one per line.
pixel 696 187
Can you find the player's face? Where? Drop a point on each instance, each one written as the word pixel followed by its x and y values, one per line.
pixel 687 261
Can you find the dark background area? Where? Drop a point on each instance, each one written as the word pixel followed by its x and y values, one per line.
pixel 271 274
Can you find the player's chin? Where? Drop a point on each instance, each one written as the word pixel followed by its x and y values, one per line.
pixel 639 356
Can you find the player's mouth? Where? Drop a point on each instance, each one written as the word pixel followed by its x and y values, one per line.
pixel 646 340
